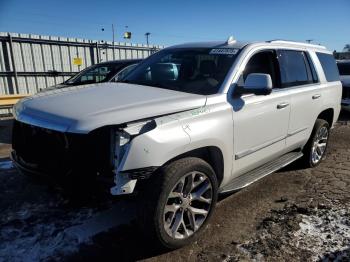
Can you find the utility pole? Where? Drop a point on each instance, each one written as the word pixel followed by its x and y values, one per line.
pixel 147 36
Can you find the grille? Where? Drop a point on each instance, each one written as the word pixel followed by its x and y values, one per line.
pixel 60 154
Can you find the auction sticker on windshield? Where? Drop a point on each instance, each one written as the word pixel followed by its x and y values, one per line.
pixel 223 51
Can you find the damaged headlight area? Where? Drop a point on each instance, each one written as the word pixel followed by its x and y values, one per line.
pixel 125 134
pixel 67 157
pixel 124 182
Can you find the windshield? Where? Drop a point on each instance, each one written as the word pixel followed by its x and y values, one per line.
pixel 344 68
pixel 122 73
pixel 192 70
pixel 96 74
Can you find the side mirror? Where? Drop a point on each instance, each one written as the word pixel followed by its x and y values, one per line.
pixel 258 84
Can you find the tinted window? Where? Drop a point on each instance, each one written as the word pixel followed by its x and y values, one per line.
pixel 329 67
pixel 294 68
pixel 344 68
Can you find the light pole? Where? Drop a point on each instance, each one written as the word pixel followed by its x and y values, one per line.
pixel 147 36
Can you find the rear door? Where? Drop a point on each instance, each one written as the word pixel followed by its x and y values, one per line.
pixel 300 81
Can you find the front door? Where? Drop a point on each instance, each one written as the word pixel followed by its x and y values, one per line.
pixel 260 122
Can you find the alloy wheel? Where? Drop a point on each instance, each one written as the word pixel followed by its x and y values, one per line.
pixel 188 205
pixel 319 145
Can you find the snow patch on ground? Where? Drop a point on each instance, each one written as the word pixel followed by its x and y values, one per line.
pixel 326 232
pixel 317 234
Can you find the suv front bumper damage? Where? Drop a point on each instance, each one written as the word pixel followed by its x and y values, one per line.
pixel 63 157
pixel 125 181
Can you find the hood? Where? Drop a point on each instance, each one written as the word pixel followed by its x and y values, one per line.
pixel 81 109
pixel 58 86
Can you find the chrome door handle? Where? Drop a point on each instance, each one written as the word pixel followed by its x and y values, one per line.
pixel 282 105
pixel 316 96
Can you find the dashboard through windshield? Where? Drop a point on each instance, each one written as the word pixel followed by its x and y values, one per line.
pixel 192 70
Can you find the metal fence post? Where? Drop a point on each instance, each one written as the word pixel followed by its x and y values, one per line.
pixel 7 67
pixel 13 62
pixel 98 53
pixel 92 53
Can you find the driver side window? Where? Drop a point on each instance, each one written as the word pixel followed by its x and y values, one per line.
pixel 264 62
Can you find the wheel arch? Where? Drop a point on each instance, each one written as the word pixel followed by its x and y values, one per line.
pixel 327 115
pixel 211 154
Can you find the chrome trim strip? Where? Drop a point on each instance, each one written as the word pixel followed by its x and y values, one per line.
pixel 253 150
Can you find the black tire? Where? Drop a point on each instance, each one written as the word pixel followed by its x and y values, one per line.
pixel 307 160
pixel 155 195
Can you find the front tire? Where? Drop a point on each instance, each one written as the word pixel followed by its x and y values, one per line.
pixel 178 202
pixel 315 149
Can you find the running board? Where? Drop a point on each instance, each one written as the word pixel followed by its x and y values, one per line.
pixel 260 172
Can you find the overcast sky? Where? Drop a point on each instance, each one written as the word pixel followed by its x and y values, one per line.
pixel 172 22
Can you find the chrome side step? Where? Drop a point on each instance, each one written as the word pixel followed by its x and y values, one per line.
pixel 260 172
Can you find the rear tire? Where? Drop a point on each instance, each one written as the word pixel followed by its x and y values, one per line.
pixel 316 148
pixel 178 202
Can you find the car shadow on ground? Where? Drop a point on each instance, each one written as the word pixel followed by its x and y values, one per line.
pixel 122 243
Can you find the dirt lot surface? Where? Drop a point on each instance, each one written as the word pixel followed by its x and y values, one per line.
pixel 292 215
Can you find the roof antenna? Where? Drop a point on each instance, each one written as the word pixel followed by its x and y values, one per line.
pixel 231 40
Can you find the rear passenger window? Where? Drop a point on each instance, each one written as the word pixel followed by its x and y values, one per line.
pixel 295 68
pixel 329 66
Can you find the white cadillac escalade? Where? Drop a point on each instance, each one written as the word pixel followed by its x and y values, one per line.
pixel 190 122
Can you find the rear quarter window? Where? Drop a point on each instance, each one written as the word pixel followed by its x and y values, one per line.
pixel 329 66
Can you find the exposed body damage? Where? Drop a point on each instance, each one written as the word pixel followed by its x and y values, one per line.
pixel 177 134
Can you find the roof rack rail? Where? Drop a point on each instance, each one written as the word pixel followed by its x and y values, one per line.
pixel 281 41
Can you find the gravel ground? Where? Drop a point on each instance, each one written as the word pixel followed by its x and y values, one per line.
pixel 292 215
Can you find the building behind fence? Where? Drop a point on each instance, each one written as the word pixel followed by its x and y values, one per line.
pixel 29 63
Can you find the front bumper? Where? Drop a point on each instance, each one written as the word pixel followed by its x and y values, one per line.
pixel 70 158
pixel 62 156
pixel 26 168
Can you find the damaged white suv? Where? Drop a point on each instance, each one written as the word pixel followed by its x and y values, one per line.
pixel 188 123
